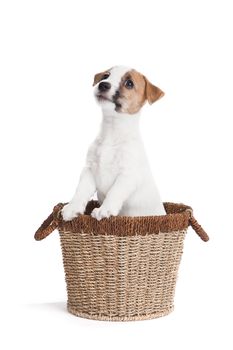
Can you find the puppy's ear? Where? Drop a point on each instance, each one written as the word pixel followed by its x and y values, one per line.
pixel 97 78
pixel 153 93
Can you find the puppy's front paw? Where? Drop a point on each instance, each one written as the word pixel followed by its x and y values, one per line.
pixel 100 213
pixel 70 211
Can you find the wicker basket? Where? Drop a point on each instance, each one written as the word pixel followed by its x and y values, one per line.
pixel 121 268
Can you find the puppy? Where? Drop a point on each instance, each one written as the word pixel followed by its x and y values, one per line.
pixel 116 163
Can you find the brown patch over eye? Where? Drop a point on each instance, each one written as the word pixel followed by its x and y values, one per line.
pixel 105 76
pixel 101 76
pixel 132 92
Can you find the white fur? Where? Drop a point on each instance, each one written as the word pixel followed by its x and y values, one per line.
pixel 116 167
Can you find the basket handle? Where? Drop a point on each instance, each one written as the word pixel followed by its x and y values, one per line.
pixel 50 224
pixel 197 227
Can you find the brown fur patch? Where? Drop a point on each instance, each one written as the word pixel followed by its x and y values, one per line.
pixel 99 76
pixel 153 93
pixel 133 99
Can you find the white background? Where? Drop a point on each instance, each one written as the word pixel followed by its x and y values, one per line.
pixel 50 51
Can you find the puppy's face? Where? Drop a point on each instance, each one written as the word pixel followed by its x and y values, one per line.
pixel 125 89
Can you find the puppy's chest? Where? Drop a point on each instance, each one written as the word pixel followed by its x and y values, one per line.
pixel 107 161
pixel 110 158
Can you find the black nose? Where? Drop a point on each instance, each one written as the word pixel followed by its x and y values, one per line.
pixel 104 86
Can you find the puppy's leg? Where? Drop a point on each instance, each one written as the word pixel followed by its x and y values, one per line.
pixel 122 188
pixel 86 188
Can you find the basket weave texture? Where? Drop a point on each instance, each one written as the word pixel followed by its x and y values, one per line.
pixel 121 268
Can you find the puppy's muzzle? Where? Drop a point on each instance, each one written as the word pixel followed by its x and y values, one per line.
pixel 104 86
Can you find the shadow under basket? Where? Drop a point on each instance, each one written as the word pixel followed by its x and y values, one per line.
pixel 122 268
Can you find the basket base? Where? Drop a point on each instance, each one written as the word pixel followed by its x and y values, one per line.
pixel 119 318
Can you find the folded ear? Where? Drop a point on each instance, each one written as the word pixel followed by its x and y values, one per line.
pixel 97 78
pixel 153 93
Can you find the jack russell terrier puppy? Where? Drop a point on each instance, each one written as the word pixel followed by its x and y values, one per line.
pixel 116 164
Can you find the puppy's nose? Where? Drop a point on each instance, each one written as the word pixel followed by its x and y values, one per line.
pixel 104 86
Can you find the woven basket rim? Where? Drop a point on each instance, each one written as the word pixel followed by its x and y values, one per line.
pixel 177 218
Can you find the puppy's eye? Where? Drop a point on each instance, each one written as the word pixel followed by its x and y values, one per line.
pixel 129 84
pixel 105 76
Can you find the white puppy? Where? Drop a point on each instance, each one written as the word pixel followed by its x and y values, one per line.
pixel 116 163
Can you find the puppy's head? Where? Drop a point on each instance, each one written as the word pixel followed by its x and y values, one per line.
pixel 124 89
